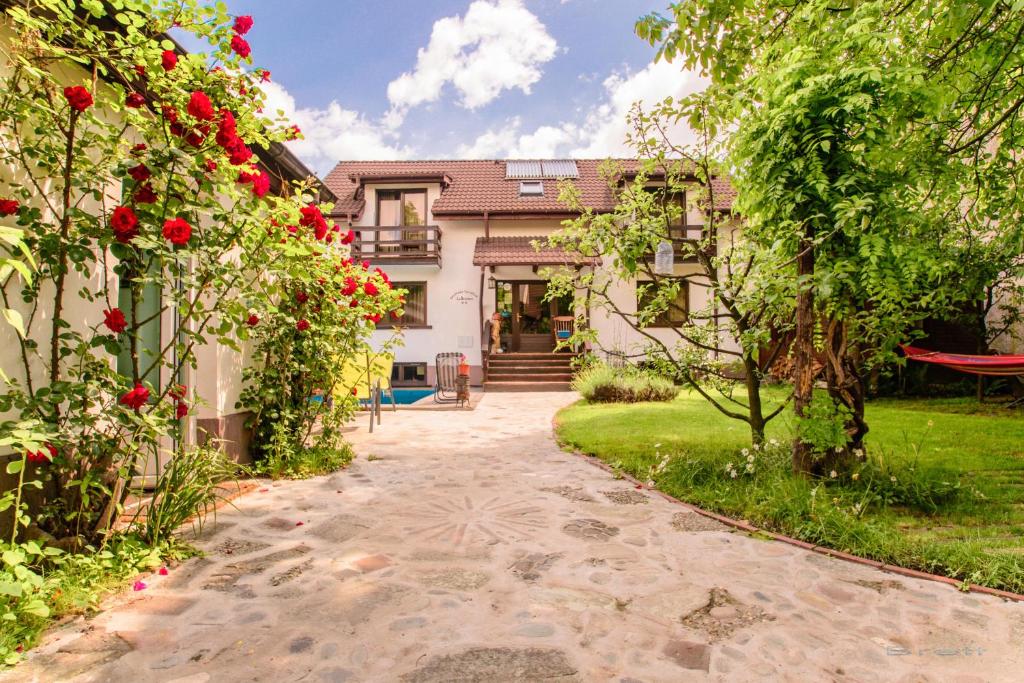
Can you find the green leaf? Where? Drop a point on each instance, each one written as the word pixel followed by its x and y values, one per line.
pixel 14 318
pixel 15 466
pixel 36 607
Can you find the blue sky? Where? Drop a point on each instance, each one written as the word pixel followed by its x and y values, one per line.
pixel 482 78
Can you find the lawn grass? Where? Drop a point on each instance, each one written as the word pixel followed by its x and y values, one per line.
pixel 956 506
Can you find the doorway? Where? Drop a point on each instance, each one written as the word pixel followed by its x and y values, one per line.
pixel 526 316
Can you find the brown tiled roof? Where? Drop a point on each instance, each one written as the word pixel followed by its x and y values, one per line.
pixel 509 251
pixel 475 186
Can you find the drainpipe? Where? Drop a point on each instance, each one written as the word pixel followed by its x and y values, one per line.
pixel 485 346
pixel 487 225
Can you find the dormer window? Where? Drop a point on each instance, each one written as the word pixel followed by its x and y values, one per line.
pixel 531 188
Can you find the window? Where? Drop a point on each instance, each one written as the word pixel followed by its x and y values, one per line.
pixel 415 305
pixel 402 208
pixel 675 314
pixel 409 374
pixel 679 228
pixel 531 188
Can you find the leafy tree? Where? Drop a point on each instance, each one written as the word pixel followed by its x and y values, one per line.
pixel 709 347
pixel 874 149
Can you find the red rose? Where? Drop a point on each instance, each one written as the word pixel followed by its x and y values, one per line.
pixel 134 100
pixel 42 456
pixel 177 392
pixel 265 76
pixel 169 60
pixel 144 194
pixel 350 287
pixel 261 184
pixel 177 129
pixel 370 288
pixel 238 152
pixel 240 46
pixel 253 320
pixel 180 410
pixel 169 112
pixel 242 24
pixel 178 231
pixel 78 97
pixel 136 398
pixel 301 297
pixel 260 181
pixel 124 224
pixel 115 321
pixel 373 317
pixel 139 173
pixel 294 132
pixel 302 325
pixel 140 70
pixel 138 149
pixel 354 303
pixel 227 129
pixel 199 106
pixel 349 237
pixel 197 136
pixel 9 207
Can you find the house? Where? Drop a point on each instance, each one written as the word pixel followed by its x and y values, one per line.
pixel 460 236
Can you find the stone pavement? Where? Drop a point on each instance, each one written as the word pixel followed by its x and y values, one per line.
pixel 465 546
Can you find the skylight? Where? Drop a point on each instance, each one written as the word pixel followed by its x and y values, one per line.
pixel 531 188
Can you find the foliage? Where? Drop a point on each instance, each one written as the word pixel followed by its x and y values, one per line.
pixel 284 460
pixel 309 321
pixel 189 487
pixel 603 383
pixel 657 201
pixel 133 179
pixel 936 490
pixel 875 153
pixel 40 583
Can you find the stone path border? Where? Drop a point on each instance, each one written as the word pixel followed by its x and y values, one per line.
pixel 741 525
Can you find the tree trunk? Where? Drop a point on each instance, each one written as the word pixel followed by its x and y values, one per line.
pixel 755 410
pixel 803 347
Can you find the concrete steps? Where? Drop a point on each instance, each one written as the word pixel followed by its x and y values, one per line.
pixel 529 371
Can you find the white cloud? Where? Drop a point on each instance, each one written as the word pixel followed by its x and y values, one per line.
pixel 333 133
pixel 497 45
pixel 602 129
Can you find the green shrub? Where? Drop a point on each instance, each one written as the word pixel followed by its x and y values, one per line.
pixel 604 384
pixel 188 487
pixel 283 459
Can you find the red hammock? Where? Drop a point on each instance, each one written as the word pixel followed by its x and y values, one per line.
pixel 1005 366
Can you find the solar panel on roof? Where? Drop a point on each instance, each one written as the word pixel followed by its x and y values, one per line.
pixel 559 168
pixel 522 169
pixel 552 168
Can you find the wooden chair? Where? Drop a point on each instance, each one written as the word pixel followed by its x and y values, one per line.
pixel 562 327
pixel 446 367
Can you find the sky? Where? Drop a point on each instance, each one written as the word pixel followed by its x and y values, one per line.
pixel 431 79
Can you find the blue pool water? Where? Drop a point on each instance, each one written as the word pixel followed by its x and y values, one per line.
pixel 406 396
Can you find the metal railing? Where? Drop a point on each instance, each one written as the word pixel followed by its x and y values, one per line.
pixel 398 244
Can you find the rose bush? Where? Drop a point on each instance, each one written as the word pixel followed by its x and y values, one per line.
pixel 121 164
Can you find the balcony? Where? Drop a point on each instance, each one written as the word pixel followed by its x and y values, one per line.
pixel 406 244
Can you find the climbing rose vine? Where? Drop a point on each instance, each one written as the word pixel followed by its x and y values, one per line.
pixel 131 171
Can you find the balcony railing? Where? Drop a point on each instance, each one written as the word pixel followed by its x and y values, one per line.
pixel 398 244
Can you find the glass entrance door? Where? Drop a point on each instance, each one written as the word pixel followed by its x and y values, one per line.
pixel 526 316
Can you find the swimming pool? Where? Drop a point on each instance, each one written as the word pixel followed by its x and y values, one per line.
pixel 404 397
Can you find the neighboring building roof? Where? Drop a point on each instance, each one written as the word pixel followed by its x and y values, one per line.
pixel 472 187
pixel 511 251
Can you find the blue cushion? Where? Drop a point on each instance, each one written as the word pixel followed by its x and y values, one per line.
pixel 563 334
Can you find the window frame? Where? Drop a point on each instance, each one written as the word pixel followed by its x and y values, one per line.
pixel 425 325
pixel 663 321
pixel 401 200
